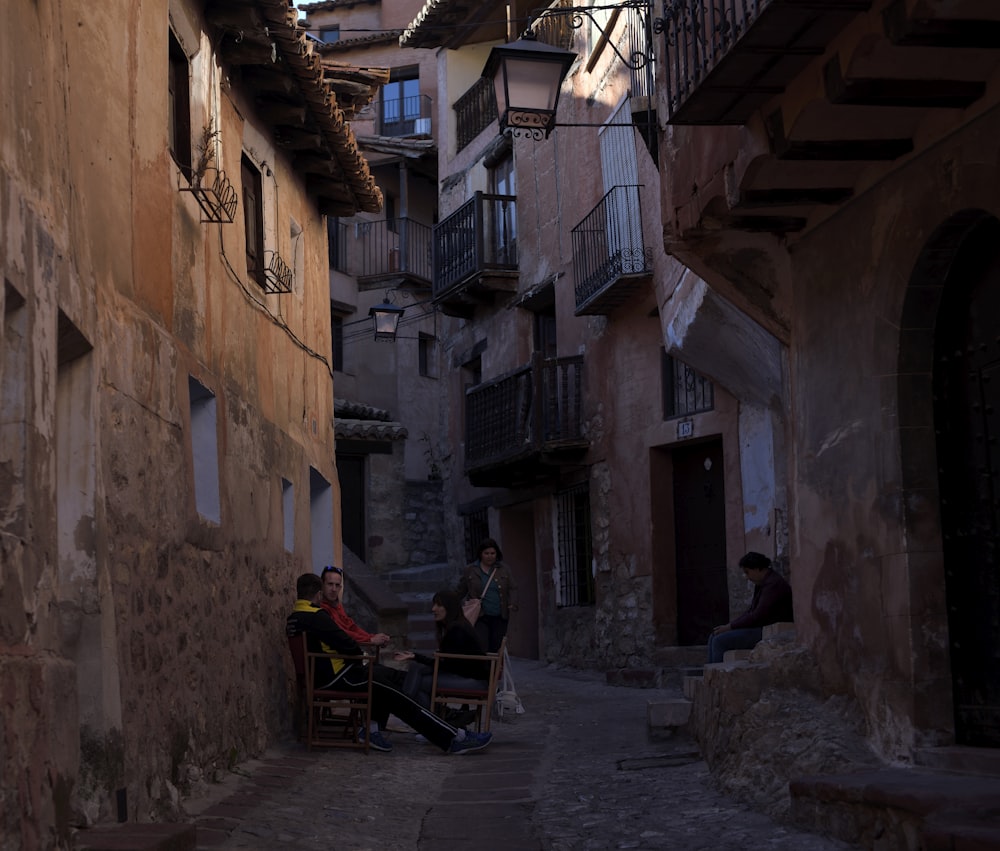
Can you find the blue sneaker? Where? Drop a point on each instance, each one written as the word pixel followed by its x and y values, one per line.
pixel 471 742
pixel 376 741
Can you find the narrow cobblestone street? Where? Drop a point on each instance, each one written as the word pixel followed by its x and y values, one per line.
pixel 577 771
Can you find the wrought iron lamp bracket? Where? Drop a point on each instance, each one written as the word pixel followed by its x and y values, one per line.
pixel 577 16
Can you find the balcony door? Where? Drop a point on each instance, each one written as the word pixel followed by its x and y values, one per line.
pixel 401 102
pixel 620 172
pixel 504 216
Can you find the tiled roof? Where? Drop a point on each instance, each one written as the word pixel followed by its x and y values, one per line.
pixel 368 430
pixel 293 92
pixel 383 37
pixel 330 5
pixel 449 23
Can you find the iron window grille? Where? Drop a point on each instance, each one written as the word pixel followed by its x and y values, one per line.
pixel 685 392
pixel 477 530
pixel 575 556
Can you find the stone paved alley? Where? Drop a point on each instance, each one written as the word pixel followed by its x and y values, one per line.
pixel 576 771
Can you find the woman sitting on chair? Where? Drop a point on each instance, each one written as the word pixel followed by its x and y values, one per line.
pixel 454 635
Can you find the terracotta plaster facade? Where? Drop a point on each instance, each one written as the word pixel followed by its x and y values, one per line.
pixel 166 422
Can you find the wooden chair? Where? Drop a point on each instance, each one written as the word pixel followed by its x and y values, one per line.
pixel 329 717
pixel 481 700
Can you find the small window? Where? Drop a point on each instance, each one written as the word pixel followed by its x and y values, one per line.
pixel 320 519
pixel 330 35
pixel 477 529
pixel 336 234
pixel 179 106
pixel 288 513
pixel 253 219
pixel 425 355
pixel 575 557
pixel 205 450
pixel 685 392
pixel 337 335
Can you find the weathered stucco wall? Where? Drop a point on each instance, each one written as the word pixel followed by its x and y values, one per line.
pixel 141 646
pixel 876 616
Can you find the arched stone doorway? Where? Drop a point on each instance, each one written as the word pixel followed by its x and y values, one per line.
pixel 950 367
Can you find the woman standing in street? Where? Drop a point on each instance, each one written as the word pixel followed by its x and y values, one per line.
pixel 500 597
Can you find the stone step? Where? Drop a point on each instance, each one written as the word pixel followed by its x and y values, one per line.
pixel 901 808
pixel 667 714
pixel 680 657
pixel 137 837
pixel 692 685
pixel 962 759
pixel 736 656
pixel 428 578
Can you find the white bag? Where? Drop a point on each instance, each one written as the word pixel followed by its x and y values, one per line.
pixel 507 699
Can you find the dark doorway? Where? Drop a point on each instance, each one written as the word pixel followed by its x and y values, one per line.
pixel 351 473
pixel 700 540
pixel 967 424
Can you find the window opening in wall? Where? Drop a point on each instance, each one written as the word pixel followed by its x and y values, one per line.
pixel 389 206
pixel 336 234
pixel 477 529
pixel 330 35
pixel 14 356
pixel 253 218
pixel 425 355
pixel 288 513
pixel 684 390
pixel 337 339
pixel 205 450
pixel 575 557
pixel 179 106
pixel 320 520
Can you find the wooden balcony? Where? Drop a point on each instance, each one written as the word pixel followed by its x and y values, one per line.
pixel 610 260
pixel 386 252
pixel 522 427
pixel 725 59
pixel 475 253
pixel 893 77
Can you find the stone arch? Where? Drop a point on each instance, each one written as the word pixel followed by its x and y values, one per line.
pixel 933 707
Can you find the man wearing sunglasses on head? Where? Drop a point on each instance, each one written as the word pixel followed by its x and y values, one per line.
pixel 324 636
pixel 332 602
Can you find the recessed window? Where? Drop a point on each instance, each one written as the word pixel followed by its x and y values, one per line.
pixel 426 352
pixel 337 335
pixel 320 519
pixel 575 557
pixel 253 219
pixel 288 513
pixel 330 35
pixel 179 106
pixel 205 450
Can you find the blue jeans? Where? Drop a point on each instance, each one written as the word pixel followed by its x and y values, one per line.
pixel 735 639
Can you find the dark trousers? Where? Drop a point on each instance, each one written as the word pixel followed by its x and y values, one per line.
pixel 491 630
pixel 388 699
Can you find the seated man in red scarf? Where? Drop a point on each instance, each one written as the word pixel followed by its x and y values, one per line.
pixel 332 602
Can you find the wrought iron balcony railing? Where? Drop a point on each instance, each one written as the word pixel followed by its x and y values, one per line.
pixel 409 116
pixel 533 410
pixel 480 235
pixel 474 111
pixel 608 251
pixel 368 249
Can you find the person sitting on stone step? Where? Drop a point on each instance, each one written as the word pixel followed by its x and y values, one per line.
pixel 771 603
pixel 324 636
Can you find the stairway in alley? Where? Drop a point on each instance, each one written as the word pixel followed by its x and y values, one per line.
pixel 416 586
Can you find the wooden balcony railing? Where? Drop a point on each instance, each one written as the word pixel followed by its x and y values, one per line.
pixel 480 235
pixel 607 248
pixel 533 410
pixel 383 248
pixel 725 58
pixel 474 111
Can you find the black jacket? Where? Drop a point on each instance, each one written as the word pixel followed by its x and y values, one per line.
pixel 323 636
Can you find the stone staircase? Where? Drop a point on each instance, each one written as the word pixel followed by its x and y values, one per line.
pixel 949 800
pixel 415 586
